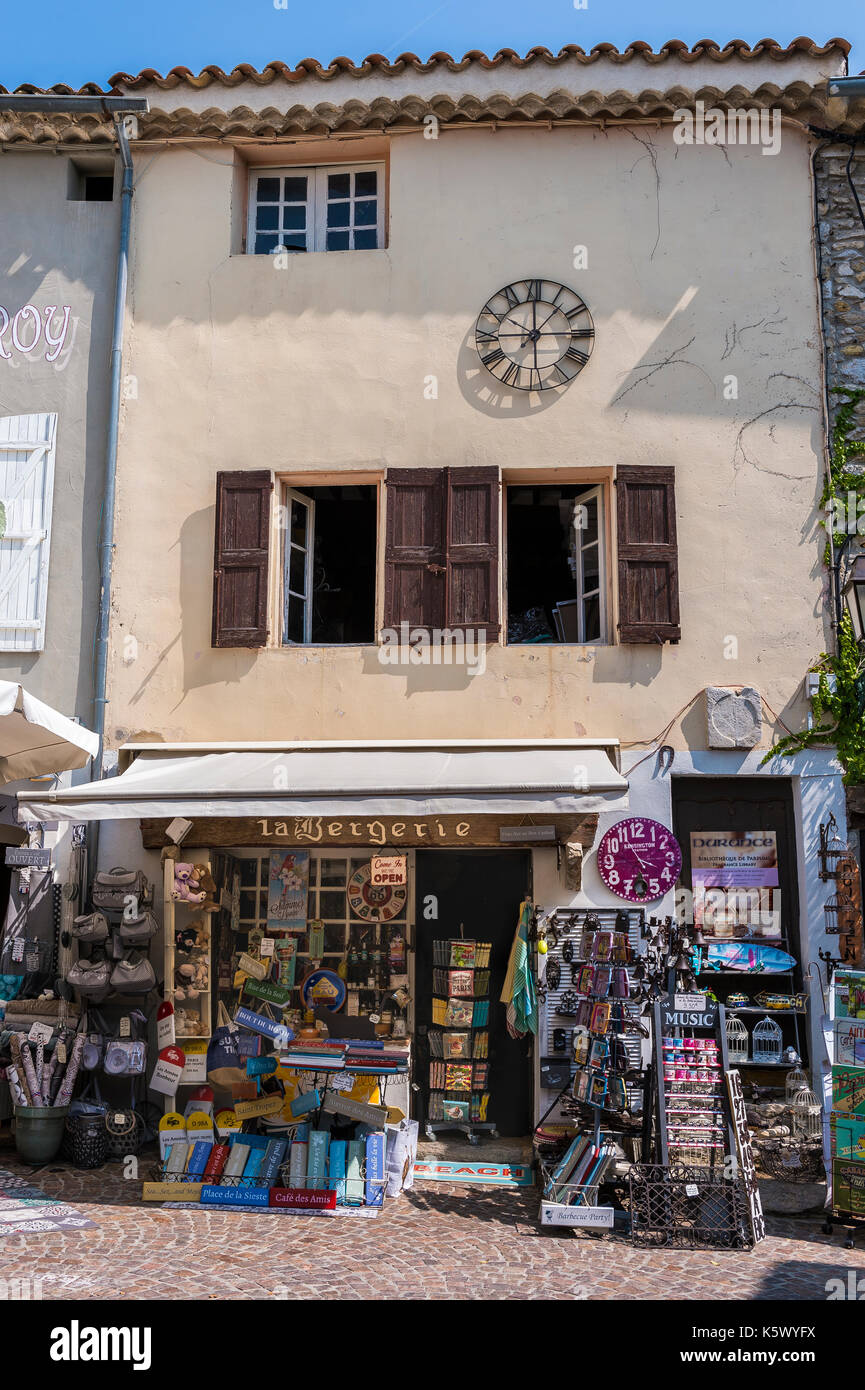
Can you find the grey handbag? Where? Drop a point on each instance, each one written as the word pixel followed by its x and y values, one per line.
pixel 91 978
pixel 113 888
pixel 93 927
pixel 136 931
pixel 134 975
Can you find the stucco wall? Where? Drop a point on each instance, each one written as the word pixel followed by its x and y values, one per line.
pixel 700 268
pixel 54 251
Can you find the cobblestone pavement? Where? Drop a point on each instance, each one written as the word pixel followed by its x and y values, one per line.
pixel 439 1241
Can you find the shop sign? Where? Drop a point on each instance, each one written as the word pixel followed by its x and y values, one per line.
pixel 393 832
pixel 267 1105
pixel 555 1214
pixel 849 1187
pixel 257 1023
pixel 747 1167
pixel 20 857
pixel 388 869
pixel 168 1071
pixel 195 1066
pixel 302 1199
pixel 701 1017
pixel 171 1192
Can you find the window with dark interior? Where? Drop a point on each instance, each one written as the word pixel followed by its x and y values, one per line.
pixel 328 569
pixel 556 564
pixel 332 208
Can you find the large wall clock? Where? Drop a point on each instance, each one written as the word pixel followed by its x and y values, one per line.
pixel 534 335
pixel 639 859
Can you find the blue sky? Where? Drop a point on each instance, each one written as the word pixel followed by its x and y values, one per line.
pixel 75 41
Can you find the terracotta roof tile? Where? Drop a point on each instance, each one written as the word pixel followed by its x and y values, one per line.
pixel 377 63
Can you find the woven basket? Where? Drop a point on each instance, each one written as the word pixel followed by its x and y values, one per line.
pixel 85 1142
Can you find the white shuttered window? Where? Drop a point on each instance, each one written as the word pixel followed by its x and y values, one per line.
pixel 27 444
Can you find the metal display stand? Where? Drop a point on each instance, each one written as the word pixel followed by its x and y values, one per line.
pixel 470 1127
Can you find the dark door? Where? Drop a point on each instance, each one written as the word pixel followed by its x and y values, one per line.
pixel 480 890
pixel 749 803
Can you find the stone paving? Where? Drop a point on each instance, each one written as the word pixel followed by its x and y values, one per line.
pixel 439 1241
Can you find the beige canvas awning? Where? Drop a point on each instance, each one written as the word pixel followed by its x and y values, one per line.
pixel 35 740
pixel 514 776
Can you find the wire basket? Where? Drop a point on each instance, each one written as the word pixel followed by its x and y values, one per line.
pixel 792 1162
pixel 686 1207
pixel 567 1194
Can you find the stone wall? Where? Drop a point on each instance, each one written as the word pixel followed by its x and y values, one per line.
pixel 842 245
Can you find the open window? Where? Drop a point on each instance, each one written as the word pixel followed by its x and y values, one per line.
pixel 557 580
pixel 328 565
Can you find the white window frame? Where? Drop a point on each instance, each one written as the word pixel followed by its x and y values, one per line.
pixel 292 495
pixel 316 204
pixel 594 494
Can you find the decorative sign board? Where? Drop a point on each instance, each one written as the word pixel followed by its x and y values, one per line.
pixel 555 1214
pixel 388 868
pixel 747 1167
pixel 20 857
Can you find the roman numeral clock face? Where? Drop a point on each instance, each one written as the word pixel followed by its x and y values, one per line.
pixel 534 335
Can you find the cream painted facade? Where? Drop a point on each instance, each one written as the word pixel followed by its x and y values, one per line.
pixel 700 277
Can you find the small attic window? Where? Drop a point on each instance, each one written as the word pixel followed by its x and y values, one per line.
pixel 91 181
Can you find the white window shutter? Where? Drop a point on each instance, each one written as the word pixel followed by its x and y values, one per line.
pixel 27 444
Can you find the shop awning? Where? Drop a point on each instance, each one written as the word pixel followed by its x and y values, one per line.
pixel 324 779
pixel 35 740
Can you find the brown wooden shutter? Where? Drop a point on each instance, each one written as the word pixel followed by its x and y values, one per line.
pixel 414 583
pixel 241 558
pixel 648 554
pixel 472 550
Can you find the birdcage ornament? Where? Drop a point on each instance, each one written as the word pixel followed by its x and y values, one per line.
pixel 806 1115
pixel 767 1041
pixel 796 1081
pixel 737 1040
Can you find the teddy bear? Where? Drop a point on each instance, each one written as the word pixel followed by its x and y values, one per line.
pixel 185 939
pixel 185 888
pixel 207 882
pixel 190 979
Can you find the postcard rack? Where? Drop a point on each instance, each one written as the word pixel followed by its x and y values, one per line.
pixel 458 1041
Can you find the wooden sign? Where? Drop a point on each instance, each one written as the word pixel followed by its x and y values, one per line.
pixel 268 991
pixel 250 966
pixel 267 1105
pixel 171 1192
pixel 747 1167
pixel 375 1115
pixel 373 831
pixel 388 869
pixel 302 1199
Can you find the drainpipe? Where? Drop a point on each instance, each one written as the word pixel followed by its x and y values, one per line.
pixel 106 539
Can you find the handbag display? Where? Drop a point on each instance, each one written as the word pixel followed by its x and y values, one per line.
pixel 92 927
pixel 137 931
pixel 113 888
pixel 125 1057
pixel 224 1062
pixel 134 975
pixel 91 978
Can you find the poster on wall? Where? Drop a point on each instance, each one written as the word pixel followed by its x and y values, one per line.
pixel 734 859
pixel 287 889
pixel 734 874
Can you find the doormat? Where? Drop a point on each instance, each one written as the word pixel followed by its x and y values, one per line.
pixel 500 1174
pixel 25 1209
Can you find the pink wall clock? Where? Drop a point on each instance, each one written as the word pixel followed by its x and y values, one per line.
pixel 639 859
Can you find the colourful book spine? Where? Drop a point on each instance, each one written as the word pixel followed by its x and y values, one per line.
pixel 337 1160
pixel 353 1179
pixel 252 1167
pixel 316 1168
pixel 198 1159
pixel 217 1161
pixel 236 1163
pixel 375 1158
pixel 297 1165
pixel 273 1160
pixel 177 1156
